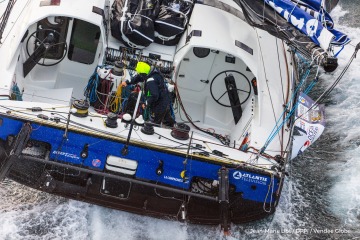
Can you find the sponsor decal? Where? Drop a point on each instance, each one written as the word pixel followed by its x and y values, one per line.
pixel 312 132
pixel 96 162
pixel 183 174
pixel 312 121
pixel 302 100
pixel 175 179
pixel 302 125
pixel 65 154
pixel 248 177
pixel 315 116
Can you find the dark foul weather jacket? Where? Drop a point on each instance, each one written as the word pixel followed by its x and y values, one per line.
pixel 156 94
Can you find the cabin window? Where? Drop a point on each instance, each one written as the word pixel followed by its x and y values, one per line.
pixel 84 41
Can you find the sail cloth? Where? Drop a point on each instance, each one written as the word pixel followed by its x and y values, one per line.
pixel 311 18
pixel 172 20
pixel 138 23
pixel 133 21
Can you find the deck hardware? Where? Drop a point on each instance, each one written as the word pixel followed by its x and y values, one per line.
pixel 195 33
pixel 218 153
pixel 201 52
pixel 197 145
pixel 125 149
pixel 85 152
pixel 160 168
pixel 111 120
pixel 50 3
pixel 279 160
pixel 244 47
pixel 98 11
pixel 42 116
pixel 188 151
pixel 71 111
pixel 140 120
pixel 148 128
pixel 56 119
pixel 180 131
pixel 154 56
pixel 17 146
pixel 230 59
pixel 82 107
pixel 118 68
pixel 35 109
pixel 126 118
pixel 183 212
pixel 254 85
pixel 224 198
pixel 203 153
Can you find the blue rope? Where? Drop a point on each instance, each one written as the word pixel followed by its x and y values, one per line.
pixel 16 91
pixel 276 129
pixel 311 85
pixel 91 88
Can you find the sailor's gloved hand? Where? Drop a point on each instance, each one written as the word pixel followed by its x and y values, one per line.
pixel 171 87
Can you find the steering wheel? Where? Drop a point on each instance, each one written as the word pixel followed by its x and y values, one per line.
pixel 47 47
pixel 243 94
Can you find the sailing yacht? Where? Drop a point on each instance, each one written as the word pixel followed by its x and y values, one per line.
pixel 237 74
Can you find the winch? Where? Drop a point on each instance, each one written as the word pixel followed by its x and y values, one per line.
pixel 82 107
pixel 111 120
pixel 118 69
pixel 180 131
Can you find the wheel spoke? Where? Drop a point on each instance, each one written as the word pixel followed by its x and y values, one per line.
pixel 41 42
pixel 222 96
pixel 57 44
pixel 243 91
pixel 44 56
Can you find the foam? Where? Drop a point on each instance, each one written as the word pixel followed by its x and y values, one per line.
pixel 344 122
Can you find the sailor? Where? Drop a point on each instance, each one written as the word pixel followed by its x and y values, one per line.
pixel 156 93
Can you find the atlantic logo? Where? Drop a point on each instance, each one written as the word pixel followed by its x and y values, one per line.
pixel 237 175
pixel 248 177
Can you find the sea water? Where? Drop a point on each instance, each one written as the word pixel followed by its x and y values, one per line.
pixel 320 199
